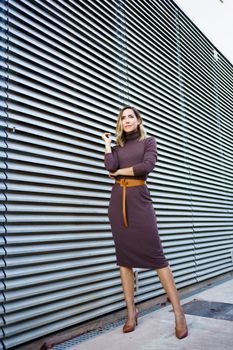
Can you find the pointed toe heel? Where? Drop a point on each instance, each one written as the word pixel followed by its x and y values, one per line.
pixel 130 328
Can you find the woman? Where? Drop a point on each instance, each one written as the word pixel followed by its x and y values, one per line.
pixel 132 216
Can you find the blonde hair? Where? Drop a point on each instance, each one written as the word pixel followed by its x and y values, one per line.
pixel 120 134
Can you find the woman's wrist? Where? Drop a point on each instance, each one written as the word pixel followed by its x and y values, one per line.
pixel 108 148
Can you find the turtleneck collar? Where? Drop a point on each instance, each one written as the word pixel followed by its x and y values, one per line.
pixel 132 135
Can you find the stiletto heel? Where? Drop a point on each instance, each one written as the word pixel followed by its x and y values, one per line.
pixel 136 317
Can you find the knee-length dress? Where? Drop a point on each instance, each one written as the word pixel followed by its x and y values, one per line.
pixel 137 245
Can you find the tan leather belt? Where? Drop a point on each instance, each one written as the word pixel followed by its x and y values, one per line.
pixel 128 183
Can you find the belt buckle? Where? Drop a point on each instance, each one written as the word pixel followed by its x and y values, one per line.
pixel 123 182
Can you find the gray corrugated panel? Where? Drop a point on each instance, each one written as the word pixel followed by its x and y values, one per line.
pixel 40 279
pixel 63 300
pixel 62 323
pixel 79 312
pixel 72 64
pixel 71 280
pixel 4 73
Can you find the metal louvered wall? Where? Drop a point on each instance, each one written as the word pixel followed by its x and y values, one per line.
pixel 67 69
pixel 3 150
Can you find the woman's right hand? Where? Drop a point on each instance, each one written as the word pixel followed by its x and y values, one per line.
pixel 106 136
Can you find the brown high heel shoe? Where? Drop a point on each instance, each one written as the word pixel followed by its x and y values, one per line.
pixel 131 328
pixel 182 332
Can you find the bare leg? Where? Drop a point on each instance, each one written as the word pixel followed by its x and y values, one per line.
pixel 127 279
pixel 168 283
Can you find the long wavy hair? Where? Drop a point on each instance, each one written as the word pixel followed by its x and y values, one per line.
pixel 120 134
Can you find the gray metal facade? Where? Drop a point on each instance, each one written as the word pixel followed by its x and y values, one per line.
pixel 67 68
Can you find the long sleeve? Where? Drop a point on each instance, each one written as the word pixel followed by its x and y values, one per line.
pixel 111 160
pixel 149 159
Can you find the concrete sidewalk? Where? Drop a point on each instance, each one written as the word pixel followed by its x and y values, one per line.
pixel 156 329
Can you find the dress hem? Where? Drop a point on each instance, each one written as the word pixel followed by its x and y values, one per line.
pixel 143 267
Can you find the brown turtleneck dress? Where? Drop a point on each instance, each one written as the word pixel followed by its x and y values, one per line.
pixel 137 245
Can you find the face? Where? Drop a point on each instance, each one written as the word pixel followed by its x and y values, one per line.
pixel 129 120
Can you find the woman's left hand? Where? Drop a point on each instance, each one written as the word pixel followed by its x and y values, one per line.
pixel 113 175
pixel 123 171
